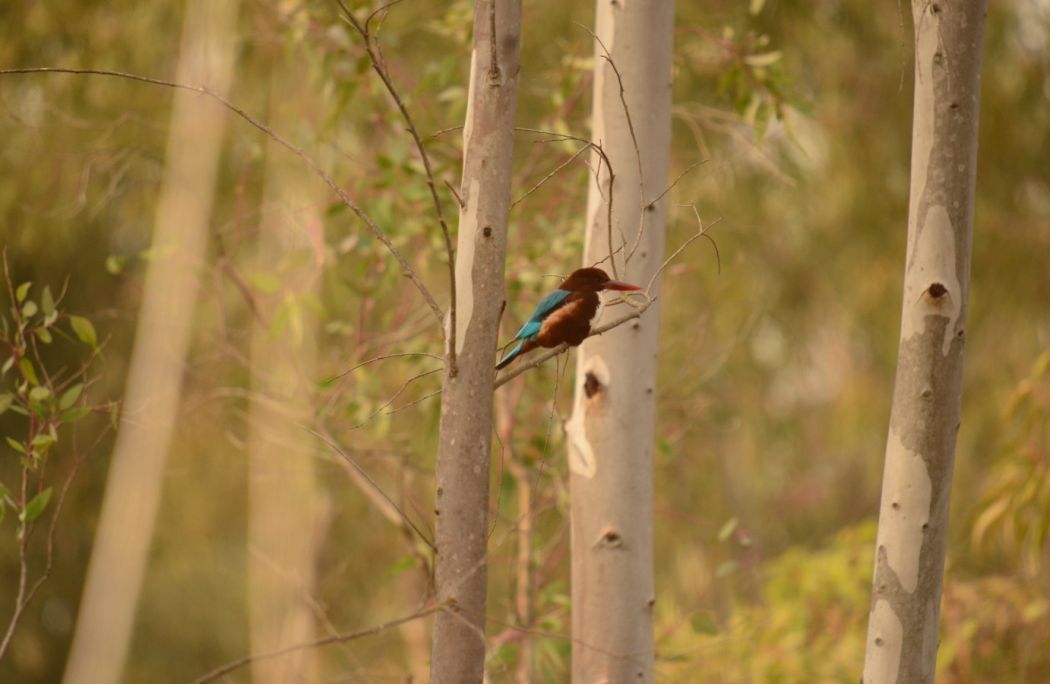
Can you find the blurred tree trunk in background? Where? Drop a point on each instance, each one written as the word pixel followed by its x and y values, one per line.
pixel 610 432
pixel 284 505
pixel 151 399
pixel 924 420
pixel 465 440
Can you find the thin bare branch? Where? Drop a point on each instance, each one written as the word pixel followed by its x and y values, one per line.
pixel 398 393
pixel 552 174
pixel 317 643
pixel 405 520
pixel 670 187
pixel 702 232
pixel 379 233
pixel 379 67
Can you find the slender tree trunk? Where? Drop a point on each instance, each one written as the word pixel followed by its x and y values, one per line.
pixel 610 432
pixel 125 528
pixel 461 502
pixel 913 518
pixel 283 492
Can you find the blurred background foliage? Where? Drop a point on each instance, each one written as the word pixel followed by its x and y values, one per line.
pixel 776 369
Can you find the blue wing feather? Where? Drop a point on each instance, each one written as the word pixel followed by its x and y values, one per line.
pixel 546 307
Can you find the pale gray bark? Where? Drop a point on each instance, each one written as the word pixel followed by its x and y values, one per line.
pixel 151 398
pixel 284 498
pixel 611 429
pixel 924 420
pixel 461 502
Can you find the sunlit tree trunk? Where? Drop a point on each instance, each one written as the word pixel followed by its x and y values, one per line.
pixel 283 493
pixel 151 398
pixel 610 432
pixel 461 501
pixel 924 420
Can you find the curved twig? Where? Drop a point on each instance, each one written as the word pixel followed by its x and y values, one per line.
pixel 273 135
pixel 379 66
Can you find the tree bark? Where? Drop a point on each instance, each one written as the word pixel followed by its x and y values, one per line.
pixel 284 498
pixel 924 420
pixel 610 433
pixel 461 501
pixel 151 399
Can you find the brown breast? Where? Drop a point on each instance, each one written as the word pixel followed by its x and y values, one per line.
pixel 571 322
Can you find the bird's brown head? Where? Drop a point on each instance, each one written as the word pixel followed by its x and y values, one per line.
pixel 593 280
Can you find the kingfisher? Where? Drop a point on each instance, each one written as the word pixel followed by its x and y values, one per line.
pixel 566 314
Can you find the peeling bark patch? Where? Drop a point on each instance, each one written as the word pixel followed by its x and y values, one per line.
pixel 591 385
pixel 906 496
pixel 465 264
pixel 884 634
pixel 581 453
pixel 934 261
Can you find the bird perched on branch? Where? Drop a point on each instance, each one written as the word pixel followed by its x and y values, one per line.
pixel 566 314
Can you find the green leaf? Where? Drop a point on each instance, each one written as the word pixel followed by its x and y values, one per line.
pixel 39 393
pixel 36 506
pixel 7 365
pixel 727 529
pixel 763 59
pixel 47 301
pixel 43 335
pixel 22 291
pixel 74 414
pixel 28 371
pixel 15 444
pixel 115 264
pixel 29 309
pixel 84 330
pixel 42 442
pixel 70 396
pixel 5 402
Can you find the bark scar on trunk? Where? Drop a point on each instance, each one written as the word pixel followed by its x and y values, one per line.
pixel 591 400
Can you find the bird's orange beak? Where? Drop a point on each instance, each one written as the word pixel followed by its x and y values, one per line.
pixel 620 285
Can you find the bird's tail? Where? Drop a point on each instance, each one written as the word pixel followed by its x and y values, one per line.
pixel 519 348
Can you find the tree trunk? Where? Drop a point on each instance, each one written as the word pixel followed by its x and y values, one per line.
pixel 283 492
pixel 913 518
pixel 610 432
pixel 151 400
pixel 461 501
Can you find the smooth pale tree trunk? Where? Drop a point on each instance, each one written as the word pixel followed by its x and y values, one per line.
pixel 283 492
pixel 924 420
pixel 610 433
pixel 461 501
pixel 151 398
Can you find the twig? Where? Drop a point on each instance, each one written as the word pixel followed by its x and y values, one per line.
pixel 334 639
pixel 346 457
pixel 675 182
pixel 273 135
pixel 702 232
pixel 397 394
pixel 459 200
pixel 597 147
pixel 550 175
pixel 379 66
pixel 634 139
pixel 382 358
